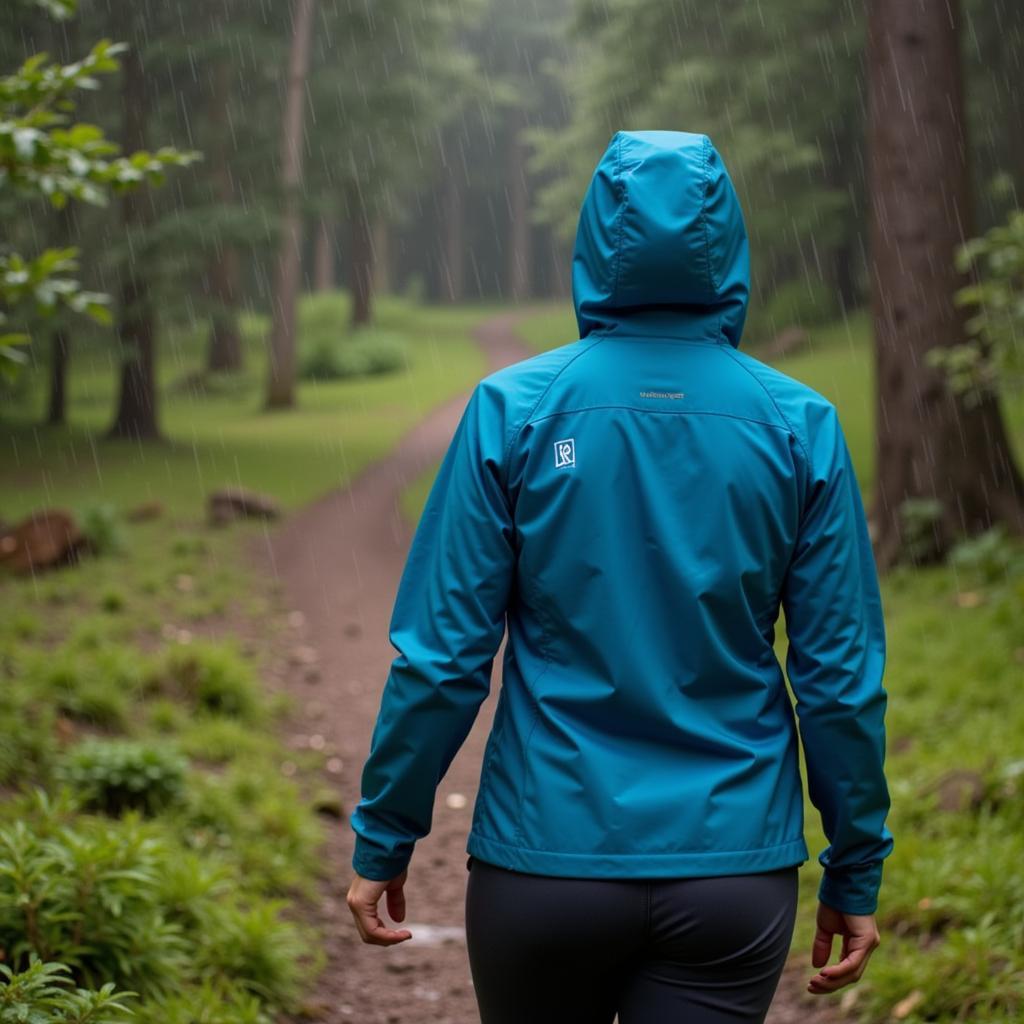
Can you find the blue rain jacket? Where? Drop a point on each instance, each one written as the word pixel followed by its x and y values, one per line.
pixel 635 507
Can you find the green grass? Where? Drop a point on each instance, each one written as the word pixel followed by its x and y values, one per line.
pixel 227 439
pixel 130 685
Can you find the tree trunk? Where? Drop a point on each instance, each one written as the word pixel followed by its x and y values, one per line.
pixel 224 351
pixel 929 444
pixel 518 273
pixel 453 285
pixel 361 259
pixel 381 257
pixel 323 256
pixel 60 336
pixel 281 376
pixel 136 415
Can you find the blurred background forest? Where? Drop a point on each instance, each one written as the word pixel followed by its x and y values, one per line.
pixel 248 246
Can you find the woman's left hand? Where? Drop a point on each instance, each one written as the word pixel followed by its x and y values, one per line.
pixel 363 896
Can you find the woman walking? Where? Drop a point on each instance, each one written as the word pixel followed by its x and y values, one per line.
pixel 636 507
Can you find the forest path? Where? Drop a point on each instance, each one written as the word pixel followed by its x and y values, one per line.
pixel 339 561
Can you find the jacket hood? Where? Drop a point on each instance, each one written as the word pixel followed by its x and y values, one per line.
pixel 661 246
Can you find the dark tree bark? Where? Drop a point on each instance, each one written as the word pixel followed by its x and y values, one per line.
pixel 224 274
pixel 60 337
pixel 361 258
pixel 281 376
pixel 323 256
pixel 517 279
pixel 381 257
pixel 929 444
pixel 136 415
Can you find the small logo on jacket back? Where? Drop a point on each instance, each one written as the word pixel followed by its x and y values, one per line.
pixel 565 453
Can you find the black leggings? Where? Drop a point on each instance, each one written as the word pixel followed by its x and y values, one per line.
pixel 548 950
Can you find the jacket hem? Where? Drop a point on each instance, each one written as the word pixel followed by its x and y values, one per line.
pixel 613 864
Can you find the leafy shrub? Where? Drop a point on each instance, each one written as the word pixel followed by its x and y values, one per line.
pixel 26 728
pixel 44 993
pixel 103 528
pixel 115 776
pixel 366 351
pixel 211 677
pixel 258 819
pixel 796 303
pixel 87 895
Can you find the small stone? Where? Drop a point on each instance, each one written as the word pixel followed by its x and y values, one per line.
pixel 353 629
pixel 303 654
pixel 335 765
pixel 456 801
pixel 296 620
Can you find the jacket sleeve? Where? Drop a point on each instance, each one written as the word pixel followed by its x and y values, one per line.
pixel 447 625
pixel 835 663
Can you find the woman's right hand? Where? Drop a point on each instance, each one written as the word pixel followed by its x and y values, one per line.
pixel 860 939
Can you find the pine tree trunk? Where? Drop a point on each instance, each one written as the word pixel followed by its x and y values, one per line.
pixel 60 337
pixel 224 351
pixel 381 257
pixel 281 377
pixel 60 361
pixel 136 415
pixel 323 256
pixel 453 285
pixel 518 272
pixel 361 259
pixel 929 444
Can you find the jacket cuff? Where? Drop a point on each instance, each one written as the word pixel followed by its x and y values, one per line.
pixel 374 862
pixel 852 890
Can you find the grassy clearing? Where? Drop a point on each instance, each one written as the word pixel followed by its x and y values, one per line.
pixel 223 437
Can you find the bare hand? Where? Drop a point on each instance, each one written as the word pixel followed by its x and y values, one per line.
pixel 860 939
pixel 363 896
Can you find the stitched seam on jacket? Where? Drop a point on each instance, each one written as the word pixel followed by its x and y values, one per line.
pixel 775 405
pixel 696 854
pixel 705 154
pixel 540 398
pixel 535 707
pixel 620 216
pixel 669 412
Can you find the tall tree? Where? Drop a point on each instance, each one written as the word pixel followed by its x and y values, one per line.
pixel 136 415
pixel 281 377
pixel 224 285
pixel 930 445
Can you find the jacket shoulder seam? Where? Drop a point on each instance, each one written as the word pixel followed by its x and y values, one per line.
pixel 533 408
pixel 668 412
pixel 775 405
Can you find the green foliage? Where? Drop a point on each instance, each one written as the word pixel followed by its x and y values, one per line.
pixel 103 528
pixel 88 895
pixel 45 994
pixel 115 776
pixel 798 303
pixel 993 356
pixel 365 352
pixel 43 154
pixel 257 818
pixel 210 677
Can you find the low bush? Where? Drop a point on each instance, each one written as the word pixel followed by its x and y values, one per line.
pixel 210 677
pixel 363 353
pixel 116 776
pixel 44 993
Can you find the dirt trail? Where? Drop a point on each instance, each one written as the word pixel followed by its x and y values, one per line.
pixel 339 561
